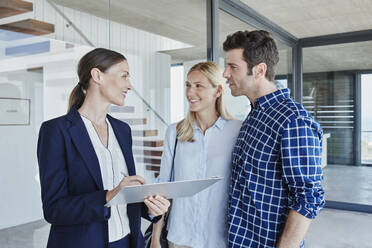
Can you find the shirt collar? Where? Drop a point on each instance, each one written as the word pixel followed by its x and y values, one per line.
pixel 220 123
pixel 268 100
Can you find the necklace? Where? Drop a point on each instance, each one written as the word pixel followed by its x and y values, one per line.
pixel 97 129
pixel 94 123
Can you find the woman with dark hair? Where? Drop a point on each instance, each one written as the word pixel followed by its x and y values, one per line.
pixel 82 159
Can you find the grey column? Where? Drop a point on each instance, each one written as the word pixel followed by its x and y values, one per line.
pixel 297 80
pixel 212 30
pixel 357 119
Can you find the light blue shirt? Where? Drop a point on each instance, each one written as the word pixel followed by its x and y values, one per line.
pixel 200 220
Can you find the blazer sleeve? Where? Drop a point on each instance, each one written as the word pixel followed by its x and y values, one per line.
pixel 59 206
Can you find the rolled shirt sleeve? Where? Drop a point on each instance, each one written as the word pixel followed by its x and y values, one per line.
pixel 301 165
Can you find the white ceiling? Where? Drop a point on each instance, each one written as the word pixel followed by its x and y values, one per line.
pixel 306 18
pixel 185 20
pixel 350 56
pixel 177 19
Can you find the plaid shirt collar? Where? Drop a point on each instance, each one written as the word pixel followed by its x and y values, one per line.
pixel 266 101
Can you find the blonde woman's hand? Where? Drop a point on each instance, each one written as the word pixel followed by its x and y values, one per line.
pixel 157 205
pixel 126 181
pixel 155 244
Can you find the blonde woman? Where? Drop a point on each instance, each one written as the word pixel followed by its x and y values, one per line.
pixel 206 138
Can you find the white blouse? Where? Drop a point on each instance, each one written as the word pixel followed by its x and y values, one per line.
pixel 112 163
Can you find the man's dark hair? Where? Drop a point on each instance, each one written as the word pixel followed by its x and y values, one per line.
pixel 259 47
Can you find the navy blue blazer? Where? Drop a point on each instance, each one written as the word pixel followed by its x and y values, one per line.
pixel 71 185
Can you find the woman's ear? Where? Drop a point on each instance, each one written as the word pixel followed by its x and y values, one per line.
pixel 219 91
pixel 96 75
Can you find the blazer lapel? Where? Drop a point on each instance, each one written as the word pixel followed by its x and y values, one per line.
pixel 123 138
pixel 81 139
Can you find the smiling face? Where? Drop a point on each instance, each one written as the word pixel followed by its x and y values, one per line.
pixel 115 83
pixel 200 93
pixel 237 73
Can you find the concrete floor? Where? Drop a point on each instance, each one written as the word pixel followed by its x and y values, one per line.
pixel 31 235
pixel 348 184
pixel 332 229
pixel 340 229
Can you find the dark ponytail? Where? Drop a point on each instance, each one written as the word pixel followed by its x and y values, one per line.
pixel 77 97
pixel 99 58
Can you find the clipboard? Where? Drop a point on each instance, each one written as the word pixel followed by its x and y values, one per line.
pixel 170 190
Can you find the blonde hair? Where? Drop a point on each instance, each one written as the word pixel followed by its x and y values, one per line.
pixel 213 72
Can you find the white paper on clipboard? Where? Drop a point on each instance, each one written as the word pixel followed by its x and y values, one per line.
pixel 170 190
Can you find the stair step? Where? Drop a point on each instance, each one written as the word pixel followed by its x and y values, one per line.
pixel 153 143
pixel 148 152
pixel 121 109
pixel 14 7
pixel 135 121
pixel 29 26
pixel 145 133
pixel 148 160
pixel 153 168
pixel 39 68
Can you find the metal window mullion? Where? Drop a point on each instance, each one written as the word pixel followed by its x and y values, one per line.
pixel 212 31
pixel 297 73
pixel 357 119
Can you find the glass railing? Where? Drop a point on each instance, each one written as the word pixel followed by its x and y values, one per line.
pixel 148 131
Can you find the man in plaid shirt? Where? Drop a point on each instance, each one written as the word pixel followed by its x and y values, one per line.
pixel 276 173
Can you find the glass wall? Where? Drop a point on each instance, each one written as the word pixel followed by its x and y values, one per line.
pixel 39 52
pixel 329 97
pixel 331 78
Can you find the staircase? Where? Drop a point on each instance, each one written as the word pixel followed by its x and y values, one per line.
pixel 147 145
pixel 27 27
pixel 14 7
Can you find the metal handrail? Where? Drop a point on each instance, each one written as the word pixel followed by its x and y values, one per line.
pixel 70 23
pixel 91 44
pixel 149 106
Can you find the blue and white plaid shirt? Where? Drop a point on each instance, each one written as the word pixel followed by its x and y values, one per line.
pixel 276 167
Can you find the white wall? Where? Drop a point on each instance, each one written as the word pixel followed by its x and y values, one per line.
pixel 177 93
pixel 19 188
